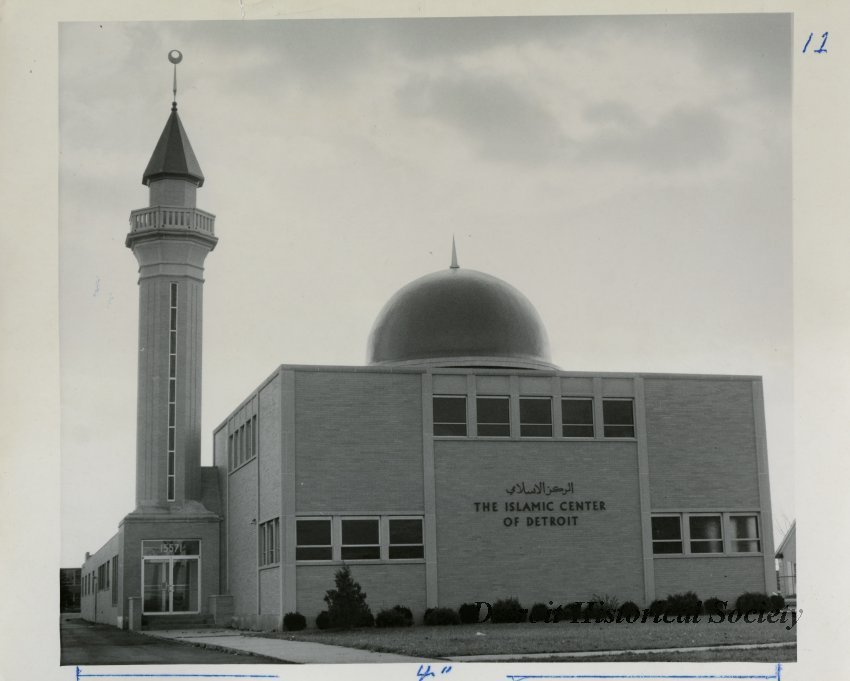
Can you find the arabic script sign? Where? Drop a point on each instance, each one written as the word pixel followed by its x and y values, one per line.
pixel 554 509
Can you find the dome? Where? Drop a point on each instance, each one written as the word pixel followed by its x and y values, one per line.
pixel 459 317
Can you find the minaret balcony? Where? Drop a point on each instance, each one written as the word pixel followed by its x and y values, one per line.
pixel 171 218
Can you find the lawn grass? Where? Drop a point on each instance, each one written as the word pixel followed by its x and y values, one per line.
pixel 784 654
pixel 495 639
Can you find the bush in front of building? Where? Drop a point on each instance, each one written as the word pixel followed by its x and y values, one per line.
pixel 658 607
pixel 571 612
pixel 629 611
pixel 438 617
pixel 714 606
pixel 539 613
pixel 601 608
pixel 468 613
pixel 294 621
pixel 347 606
pixel 508 611
pixel 686 604
pixel 323 620
pixel 753 601
pixel 777 602
pixel 397 616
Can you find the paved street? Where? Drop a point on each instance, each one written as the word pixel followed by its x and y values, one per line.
pixel 98 644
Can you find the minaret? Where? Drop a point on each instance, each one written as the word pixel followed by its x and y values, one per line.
pixel 170 239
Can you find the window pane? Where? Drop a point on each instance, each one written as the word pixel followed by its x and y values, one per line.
pixel 577 411
pixel 705 527
pixel 406 531
pixel 457 429
pixel 313 553
pixel 312 532
pixel 406 552
pixel 618 412
pixel 360 531
pixel 744 527
pixel 526 430
pixel 666 528
pixel 535 410
pixel 494 430
pixel 746 546
pixel 578 431
pixel 619 431
pixel 449 410
pixel 360 552
pixel 667 547
pixel 715 546
pixel 493 410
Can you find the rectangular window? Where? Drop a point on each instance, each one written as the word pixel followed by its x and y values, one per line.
pixel 744 532
pixel 406 538
pixel 269 542
pixel 249 442
pixel 360 539
pixel 450 416
pixel 115 580
pixel 706 534
pixel 313 539
pixel 494 416
pixel 618 416
pixel 535 416
pixel 255 448
pixel 666 534
pixel 172 396
pixel 231 462
pixel 577 416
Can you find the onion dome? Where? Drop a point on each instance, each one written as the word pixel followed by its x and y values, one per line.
pixel 459 317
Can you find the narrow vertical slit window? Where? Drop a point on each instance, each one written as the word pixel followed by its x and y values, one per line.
pixel 172 395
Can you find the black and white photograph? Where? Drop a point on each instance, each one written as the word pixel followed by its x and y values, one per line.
pixel 427 341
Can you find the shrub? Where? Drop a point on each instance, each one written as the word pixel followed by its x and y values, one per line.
pixel 753 602
pixel 539 612
pixel 294 621
pixel 777 602
pixel 397 616
pixel 629 611
pixel 658 608
pixel 572 612
pixel 347 603
pixel 323 620
pixel 469 613
pixel 507 610
pixel 601 608
pixel 713 606
pixel 437 617
pixel 684 604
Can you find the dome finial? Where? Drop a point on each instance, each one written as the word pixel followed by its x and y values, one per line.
pixel 454 265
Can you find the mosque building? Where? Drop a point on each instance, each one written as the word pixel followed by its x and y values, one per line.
pixel 459 464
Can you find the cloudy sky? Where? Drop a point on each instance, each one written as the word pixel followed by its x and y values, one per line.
pixel 631 175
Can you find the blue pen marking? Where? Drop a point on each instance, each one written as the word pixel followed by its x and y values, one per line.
pixel 776 676
pixel 81 675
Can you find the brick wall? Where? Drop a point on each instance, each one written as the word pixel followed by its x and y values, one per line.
pixel 701 443
pixel 358 442
pixel 724 578
pixel 481 559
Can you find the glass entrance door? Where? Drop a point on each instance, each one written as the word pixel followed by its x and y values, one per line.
pixel 170 585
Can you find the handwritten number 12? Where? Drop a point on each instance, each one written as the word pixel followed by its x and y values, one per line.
pixel 822 47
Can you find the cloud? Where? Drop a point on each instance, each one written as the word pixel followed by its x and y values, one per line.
pixel 499 120
pixel 683 138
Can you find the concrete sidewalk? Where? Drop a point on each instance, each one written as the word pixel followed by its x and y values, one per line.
pixel 302 652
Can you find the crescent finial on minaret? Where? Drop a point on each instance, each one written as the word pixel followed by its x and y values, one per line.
pixel 175 57
pixel 454 265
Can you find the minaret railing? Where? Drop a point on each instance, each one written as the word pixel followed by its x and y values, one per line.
pixel 171 217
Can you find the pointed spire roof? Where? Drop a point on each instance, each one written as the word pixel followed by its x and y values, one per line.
pixel 454 265
pixel 173 155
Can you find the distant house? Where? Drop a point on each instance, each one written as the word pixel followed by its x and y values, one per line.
pixel 786 562
pixel 69 589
